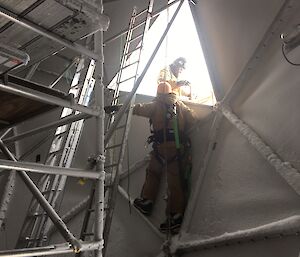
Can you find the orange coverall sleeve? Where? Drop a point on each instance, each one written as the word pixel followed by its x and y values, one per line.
pixel 189 115
pixel 144 110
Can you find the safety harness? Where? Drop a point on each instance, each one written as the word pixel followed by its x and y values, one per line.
pixel 182 142
pixel 161 136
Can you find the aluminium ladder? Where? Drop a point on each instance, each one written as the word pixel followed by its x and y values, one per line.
pixel 115 149
pixel 61 152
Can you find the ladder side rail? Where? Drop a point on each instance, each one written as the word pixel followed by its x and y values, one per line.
pixel 114 101
pixel 124 58
pixel 76 127
pixel 73 141
pixel 114 190
pixel 45 180
pixel 140 48
pixel 125 50
pixel 70 147
pixel 133 99
pixel 147 24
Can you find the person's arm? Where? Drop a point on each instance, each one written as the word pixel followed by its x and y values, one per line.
pixel 144 110
pixel 183 83
pixel 189 115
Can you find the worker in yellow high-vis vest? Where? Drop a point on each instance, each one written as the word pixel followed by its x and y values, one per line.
pixel 171 74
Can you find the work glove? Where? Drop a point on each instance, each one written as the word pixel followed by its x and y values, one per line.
pixel 112 108
pixel 181 83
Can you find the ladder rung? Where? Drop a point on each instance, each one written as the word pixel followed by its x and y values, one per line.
pixel 135 38
pixel 28 239
pixel 126 79
pixel 117 97
pixel 57 151
pixel 88 234
pixel 111 165
pixel 49 191
pixel 123 126
pixel 120 127
pixel 129 65
pixel 133 50
pixel 61 133
pixel 37 214
pixel 113 146
pixel 77 85
pixel 141 12
pixel 138 25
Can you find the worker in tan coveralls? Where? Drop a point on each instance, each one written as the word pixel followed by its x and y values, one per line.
pixel 164 156
pixel 171 74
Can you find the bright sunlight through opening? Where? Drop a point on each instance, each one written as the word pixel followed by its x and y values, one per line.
pixel 181 41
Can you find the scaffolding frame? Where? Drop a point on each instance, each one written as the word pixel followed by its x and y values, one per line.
pixel 73 244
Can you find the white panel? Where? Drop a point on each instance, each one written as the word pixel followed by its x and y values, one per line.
pixel 240 189
pixel 231 31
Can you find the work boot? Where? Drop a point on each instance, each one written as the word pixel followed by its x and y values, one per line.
pixel 172 224
pixel 143 205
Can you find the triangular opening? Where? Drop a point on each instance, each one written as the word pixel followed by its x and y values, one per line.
pixel 182 41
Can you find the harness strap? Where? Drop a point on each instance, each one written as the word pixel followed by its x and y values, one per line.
pixel 161 158
pixel 158 136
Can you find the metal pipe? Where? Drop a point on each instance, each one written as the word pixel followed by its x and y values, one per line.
pixel 35 146
pixel 50 250
pixel 73 212
pixel 42 97
pixel 41 59
pixel 31 150
pixel 123 193
pixel 288 226
pixel 8 190
pixel 46 169
pixel 54 124
pixel 153 15
pixel 34 27
pixel 7 196
pixel 5 133
pixel 11 180
pixel 56 52
pixel 63 73
pixel 32 71
pixel 156 13
pixel 22 14
pixel 123 32
pixel 61 226
pixel 139 80
pixel 192 203
pixel 290 174
pixel 99 97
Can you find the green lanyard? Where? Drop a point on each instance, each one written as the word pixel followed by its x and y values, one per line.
pixel 176 134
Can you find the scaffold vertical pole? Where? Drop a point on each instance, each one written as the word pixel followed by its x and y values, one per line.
pixel 99 100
